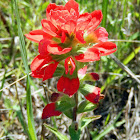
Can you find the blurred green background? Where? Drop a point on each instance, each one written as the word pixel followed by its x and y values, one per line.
pixel 120 109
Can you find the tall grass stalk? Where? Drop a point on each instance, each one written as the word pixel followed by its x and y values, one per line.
pixel 31 126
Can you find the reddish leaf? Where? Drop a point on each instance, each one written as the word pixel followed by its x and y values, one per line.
pixel 69 26
pixel 63 37
pixel 94 95
pixel 55 49
pixel 105 48
pixel 55 97
pixel 82 71
pixel 48 27
pixel 92 54
pixel 42 48
pixel 39 61
pixel 49 111
pixel 43 67
pixel 49 70
pixel 35 38
pixel 94 76
pixel 83 21
pixel 71 4
pixel 53 6
pixel 79 36
pixel 68 86
pixel 37 35
pixel 101 34
pixel 95 20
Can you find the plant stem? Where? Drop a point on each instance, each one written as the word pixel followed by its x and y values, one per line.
pixel 75 111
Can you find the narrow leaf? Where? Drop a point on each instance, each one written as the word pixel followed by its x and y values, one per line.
pixel 86 106
pixel 31 125
pixel 85 121
pixel 21 119
pixel 2 84
pixel 56 132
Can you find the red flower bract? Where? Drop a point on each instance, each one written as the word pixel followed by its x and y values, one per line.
pixel 68 86
pixel 43 67
pixel 94 95
pixel 94 53
pixel 82 71
pixel 94 76
pixel 50 111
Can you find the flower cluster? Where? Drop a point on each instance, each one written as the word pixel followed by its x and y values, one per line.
pixel 69 39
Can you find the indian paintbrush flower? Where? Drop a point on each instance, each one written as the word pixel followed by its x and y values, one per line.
pixel 69 38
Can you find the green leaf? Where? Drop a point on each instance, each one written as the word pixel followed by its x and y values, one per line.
pixel 21 37
pixel 31 126
pixel 2 84
pixel 74 134
pixel 85 121
pixel 30 112
pixel 107 119
pixel 56 132
pixel 86 89
pixel 69 113
pixel 58 72
pixel 64 105
pixel 86 106
pixel 7 103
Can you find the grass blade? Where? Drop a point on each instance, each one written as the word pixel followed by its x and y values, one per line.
pixel 124 11
pixel 104 10
pixel 126 61
pixel 124 68
pixel 115 124
pixel 31 126
pixel 108 129
pixel 3 81
pixel 21 119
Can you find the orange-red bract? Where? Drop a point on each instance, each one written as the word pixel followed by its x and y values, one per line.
pixel 68 86
pixel 49 111
pixel 94 95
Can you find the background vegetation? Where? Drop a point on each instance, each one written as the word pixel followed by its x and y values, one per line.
pixel 20 93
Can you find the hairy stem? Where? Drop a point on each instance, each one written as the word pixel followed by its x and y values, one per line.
pixel 75 111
